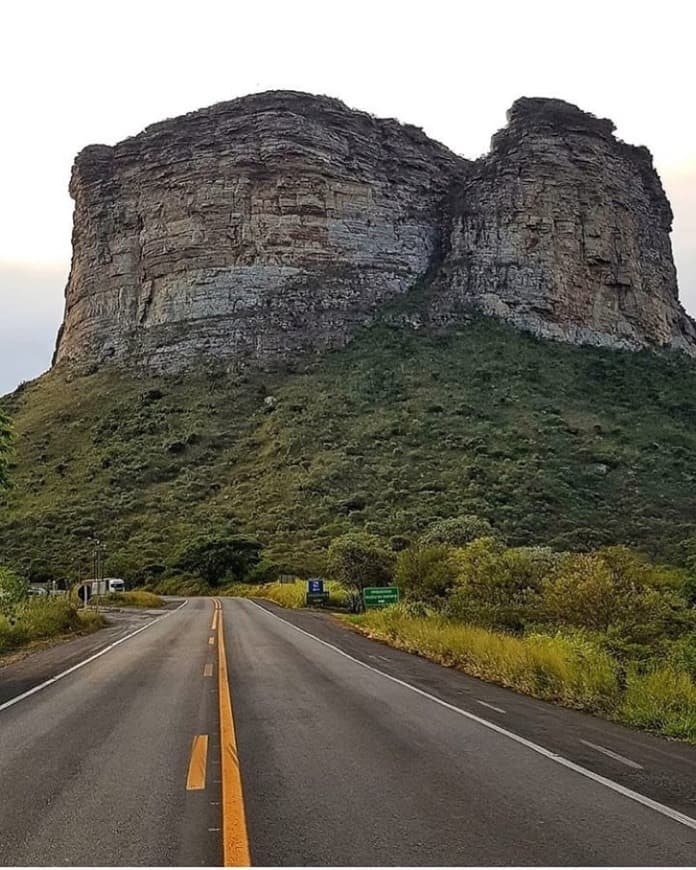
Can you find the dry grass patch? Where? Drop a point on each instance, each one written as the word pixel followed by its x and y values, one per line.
pixel 570 671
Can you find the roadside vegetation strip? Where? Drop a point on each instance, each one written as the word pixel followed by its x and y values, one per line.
pixel 569 670
pixel 132 598
pixel 658 807
pixel 87 661
pixel 39 619
pixel 291 595
pixel 566 670
pixel 235 840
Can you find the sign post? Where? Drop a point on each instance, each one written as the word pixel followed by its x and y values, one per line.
pixel 315 592
pixel 380 596
pixel 84 593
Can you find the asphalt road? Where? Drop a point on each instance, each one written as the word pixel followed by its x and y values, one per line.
pixel 93 767
pixel 350 754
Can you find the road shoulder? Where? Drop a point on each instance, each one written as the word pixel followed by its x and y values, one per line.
pixel 661 769
pixel 26 668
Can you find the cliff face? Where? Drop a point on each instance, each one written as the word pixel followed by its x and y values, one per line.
pixel 278 223
pixel 257 229
pixel 563 230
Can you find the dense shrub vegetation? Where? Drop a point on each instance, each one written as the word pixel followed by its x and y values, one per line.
pixel 607 631
pixel 548 444
pixel 536 502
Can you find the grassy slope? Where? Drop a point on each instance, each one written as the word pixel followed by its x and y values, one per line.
pixel 552 443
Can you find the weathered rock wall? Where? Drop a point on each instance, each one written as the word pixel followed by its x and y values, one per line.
pixel 564 230
pixel 256 229
pixel 277 224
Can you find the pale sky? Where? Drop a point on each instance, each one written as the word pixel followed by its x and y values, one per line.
pixel 75 73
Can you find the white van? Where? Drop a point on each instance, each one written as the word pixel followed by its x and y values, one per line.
pixel 105 586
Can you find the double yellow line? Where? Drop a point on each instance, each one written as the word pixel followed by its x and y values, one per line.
pixel 235 840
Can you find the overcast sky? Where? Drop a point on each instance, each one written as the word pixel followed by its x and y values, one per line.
pixel 76 73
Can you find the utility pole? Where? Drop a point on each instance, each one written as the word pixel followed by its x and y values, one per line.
pixel 97 570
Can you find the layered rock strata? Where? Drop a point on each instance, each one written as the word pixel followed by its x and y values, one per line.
pixel 256 229
pixel 260 229
pixel 564 230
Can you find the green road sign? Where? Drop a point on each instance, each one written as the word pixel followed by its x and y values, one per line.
pixel 380 596
pixel 315 599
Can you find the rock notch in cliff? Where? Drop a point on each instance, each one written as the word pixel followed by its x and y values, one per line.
pixel 277 224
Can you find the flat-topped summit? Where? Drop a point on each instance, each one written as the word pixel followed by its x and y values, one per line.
pixel 277 224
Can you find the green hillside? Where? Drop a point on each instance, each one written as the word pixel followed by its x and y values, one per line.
pixel 553 444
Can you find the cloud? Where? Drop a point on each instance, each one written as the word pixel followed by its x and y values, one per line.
pixel 31 300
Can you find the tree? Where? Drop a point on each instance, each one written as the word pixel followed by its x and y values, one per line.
pixel 617 590
pixel 497 586
pixel 5 448
pixel 217 559
pixel 581 592
pixel 457 531
pixel 426 572
pixel 358 560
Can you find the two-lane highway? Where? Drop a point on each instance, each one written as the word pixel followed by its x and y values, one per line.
pixel 232 731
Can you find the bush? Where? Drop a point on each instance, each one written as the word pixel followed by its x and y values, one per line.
pixel 181 585
pixel 498 586
pixel 264 572
pixel 358 560
pixel 426 572
pixel 457 531
pixel 13 590
pixel 663 700
pixel 41 618
pixel 133 598
pixel 616 591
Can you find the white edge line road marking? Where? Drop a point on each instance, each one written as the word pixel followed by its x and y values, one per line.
pixel 664 810
pixel 86 661
pixel 614 755
pixel 490 706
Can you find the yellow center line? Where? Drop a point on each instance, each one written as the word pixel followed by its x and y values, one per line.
pixel 235 840
pixel 199 756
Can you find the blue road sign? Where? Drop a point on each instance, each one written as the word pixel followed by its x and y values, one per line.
pixel 315 585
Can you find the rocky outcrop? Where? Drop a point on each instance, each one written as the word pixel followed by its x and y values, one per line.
pixel 564 230
pixel 277 224
pixel 255 229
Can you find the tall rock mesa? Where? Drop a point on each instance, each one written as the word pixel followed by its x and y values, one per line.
pixel 273 225
pixel 252 230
